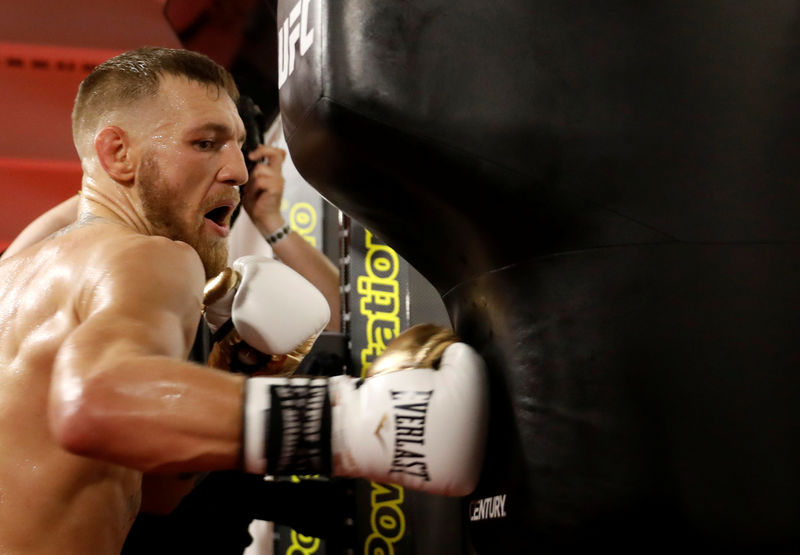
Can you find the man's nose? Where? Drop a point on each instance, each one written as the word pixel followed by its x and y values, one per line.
pixel 233 171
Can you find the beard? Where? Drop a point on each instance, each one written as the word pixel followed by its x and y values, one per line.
pixel 163 209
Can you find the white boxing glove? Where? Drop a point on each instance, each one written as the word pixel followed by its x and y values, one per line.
pixel 421 428
pixel 272 308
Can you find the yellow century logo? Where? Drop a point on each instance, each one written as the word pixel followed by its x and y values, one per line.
pixel 303 219
pixel 379 303
pixel 300 544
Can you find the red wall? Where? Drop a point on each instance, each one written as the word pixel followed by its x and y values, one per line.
pixel 46 48
pixel 29 188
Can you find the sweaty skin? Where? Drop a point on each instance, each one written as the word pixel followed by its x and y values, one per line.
pixel 95 326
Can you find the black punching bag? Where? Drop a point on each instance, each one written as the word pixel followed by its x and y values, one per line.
pixel 607 196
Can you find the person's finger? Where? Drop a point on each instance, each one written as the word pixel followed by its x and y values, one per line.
pixel 258 153
pixel 250 194
pixel 269 152
pixel 275 156
pixel 264 179
pixel 264 173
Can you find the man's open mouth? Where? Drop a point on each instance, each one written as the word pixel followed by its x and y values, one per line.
pixel 220 215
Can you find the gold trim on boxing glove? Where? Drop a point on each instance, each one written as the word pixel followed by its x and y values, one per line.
pixel 218 286
pixel 232 354
pixel 420 346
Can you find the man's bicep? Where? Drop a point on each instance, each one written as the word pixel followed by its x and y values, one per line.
pixel 108 351
pixel 132 313
pixel 146 331
pixel 107 370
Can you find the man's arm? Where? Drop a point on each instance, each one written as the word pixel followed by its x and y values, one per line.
pixel 45 225
pixel 121 389
pixel 121 394
pixel 262 201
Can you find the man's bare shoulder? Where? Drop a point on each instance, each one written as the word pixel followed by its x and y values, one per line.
pixel 113 247
pixel 142 268
pixel 154 251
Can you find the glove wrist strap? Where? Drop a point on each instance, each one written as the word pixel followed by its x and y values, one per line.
pixel 287 426
pixel 299 435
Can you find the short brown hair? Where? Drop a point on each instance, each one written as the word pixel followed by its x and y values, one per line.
pixel 136 74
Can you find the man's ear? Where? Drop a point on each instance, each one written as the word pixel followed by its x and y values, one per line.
pixel 113 148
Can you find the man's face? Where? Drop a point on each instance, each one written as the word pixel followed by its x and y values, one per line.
pixel 190 166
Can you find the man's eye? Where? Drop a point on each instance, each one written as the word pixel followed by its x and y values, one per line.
pixel 204 144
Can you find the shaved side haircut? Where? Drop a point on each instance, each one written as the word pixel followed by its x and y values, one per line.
pixel 135 75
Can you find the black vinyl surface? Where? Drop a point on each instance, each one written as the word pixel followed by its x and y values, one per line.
pixel 606 196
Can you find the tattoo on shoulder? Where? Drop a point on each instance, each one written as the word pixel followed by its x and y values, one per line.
pixel 83 221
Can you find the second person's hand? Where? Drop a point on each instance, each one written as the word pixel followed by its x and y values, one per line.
pixel 263 193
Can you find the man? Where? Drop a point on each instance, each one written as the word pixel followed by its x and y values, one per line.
pixel 263 194
pixel 262 202
pixel 158 165
pixel 96 323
